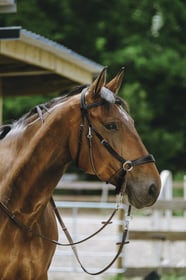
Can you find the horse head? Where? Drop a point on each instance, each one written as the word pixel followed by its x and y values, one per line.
pixel 110 146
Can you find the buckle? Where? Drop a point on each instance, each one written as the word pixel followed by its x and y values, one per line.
pixel 128 165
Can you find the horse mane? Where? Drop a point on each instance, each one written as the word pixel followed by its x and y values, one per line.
pixel 40 109
pixel 50 104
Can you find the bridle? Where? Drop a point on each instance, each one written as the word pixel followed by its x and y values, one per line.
pixel 126 165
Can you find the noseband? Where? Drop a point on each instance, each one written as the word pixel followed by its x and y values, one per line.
pixel 126 165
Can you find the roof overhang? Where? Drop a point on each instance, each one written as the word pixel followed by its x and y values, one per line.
pixel 8 6
pixel 31 64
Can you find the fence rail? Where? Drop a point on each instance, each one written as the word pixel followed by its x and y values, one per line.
pixel 173 204
pixel 87 222
pixel 154 235
pixel 161 234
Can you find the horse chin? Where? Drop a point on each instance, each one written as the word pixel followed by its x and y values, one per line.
pixel 129 195
pixel 119 181
pixel 135 201
pixel 132 198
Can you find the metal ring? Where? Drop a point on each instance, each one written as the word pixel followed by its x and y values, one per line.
pixel 127 165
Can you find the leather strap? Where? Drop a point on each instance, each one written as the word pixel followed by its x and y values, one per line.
pixel 27 229
pixel 72 243
pixel 127 165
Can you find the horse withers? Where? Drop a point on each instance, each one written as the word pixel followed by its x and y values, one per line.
pixel 91 126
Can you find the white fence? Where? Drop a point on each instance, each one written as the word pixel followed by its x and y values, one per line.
pixel 159 234
pixel 81 222
pixel 165 221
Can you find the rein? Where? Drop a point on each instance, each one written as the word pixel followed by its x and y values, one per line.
pixel 71 243
pixel 28 229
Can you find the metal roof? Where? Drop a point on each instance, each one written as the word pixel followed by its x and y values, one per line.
pixel 32 64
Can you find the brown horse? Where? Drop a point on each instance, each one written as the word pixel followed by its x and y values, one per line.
pixel 36 150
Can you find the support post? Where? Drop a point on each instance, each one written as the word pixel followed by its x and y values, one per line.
pixel 1 101
pixel 121 217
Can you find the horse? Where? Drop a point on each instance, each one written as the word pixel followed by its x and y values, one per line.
pixel 91 126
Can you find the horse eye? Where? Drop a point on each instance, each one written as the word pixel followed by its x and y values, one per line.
pixel 111 126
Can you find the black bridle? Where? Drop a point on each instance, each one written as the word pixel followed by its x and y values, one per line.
pixel 126 165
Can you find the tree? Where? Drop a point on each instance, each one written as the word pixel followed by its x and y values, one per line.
pixel 148 38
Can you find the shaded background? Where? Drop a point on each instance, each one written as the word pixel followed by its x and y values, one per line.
pixel 147 38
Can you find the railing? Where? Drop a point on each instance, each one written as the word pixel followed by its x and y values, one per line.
pixel 81 226
pixel 167 233
pixel 159 229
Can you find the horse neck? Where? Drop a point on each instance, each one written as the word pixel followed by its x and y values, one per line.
pixel 39 164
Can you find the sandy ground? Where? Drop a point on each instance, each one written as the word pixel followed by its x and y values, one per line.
pixel 98 252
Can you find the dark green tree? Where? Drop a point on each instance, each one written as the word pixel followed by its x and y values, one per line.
pixel 147 37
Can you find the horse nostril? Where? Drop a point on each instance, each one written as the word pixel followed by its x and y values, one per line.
pixel 152 190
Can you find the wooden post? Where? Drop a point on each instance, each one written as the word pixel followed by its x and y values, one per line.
pixel 1 101
pixel 184 189
pixel 121 217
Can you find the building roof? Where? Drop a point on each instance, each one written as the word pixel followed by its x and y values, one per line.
pixel 31 64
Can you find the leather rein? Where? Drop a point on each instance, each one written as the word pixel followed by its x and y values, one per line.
pixel 126 167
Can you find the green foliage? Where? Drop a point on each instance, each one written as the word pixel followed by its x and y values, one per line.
pixel 14 108
pixel 147 37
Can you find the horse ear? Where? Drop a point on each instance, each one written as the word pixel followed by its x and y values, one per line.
pixel 95 87
pixel 115 84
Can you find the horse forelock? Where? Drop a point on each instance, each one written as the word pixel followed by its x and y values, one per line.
pixel 120 101
pixel 108 95
pixel 111 98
